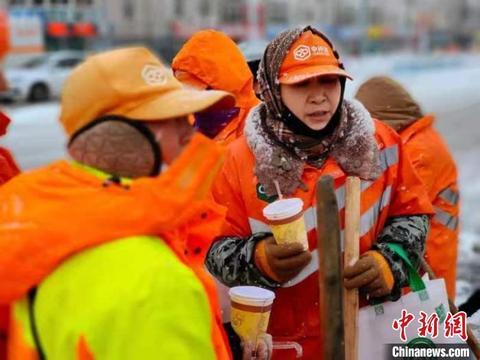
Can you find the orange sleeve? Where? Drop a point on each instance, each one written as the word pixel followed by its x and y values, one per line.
pixel 226 191
pixel 410 196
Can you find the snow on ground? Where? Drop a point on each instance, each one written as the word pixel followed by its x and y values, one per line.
pixel 35 135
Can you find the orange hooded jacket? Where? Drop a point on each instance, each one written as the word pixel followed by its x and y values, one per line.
pixel 8 169
pixel 436 168
pixel 212 57
pixel 388 101
pixel 174 207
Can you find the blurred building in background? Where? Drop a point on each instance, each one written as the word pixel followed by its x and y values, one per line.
pixel 63 24
pixel 357 25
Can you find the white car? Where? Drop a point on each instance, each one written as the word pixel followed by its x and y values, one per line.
pixel 41 77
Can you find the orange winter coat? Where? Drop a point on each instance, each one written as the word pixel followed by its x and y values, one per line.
pixel 67 210
pixel 436 168
pixel 212 57
pixel 388 101
pixel 397 192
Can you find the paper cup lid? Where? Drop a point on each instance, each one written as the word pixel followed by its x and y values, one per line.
pixel 283 209
pixel 251 295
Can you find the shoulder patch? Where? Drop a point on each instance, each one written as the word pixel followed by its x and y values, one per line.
pixel 263 196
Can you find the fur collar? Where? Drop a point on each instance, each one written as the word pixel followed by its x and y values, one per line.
pixel 356 151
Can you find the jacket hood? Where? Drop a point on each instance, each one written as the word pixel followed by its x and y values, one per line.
pixel 50 214
pixel 215 59
pixel 389 101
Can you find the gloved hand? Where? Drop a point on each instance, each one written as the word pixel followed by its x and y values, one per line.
pixel 371 273
pixel 280 262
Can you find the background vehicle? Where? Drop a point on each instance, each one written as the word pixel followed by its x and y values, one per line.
pixel 41 77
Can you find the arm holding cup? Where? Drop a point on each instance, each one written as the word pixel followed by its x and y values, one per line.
pixel 256 260
pixel 231 259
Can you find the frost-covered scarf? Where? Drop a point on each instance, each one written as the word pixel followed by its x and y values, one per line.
pixel 281 154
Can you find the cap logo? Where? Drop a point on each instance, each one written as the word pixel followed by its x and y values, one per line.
pixel 154 75
pixel 302 52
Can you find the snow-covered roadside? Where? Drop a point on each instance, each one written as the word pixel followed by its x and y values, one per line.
pixel 35 135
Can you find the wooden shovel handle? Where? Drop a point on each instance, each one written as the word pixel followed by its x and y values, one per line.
pixel 351 254
pixel 330 271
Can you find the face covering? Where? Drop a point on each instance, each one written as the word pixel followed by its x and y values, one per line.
pixel 210 123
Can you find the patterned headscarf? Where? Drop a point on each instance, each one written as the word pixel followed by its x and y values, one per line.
pixel 313 151
pixel 286 152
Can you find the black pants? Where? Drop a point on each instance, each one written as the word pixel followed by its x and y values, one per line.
pixel 234 341
pixel 472 305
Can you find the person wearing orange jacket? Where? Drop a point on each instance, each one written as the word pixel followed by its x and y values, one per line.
pixel 8 169
pixel 211 60
pixel 101 257
pixel 388 101
pixel 303 130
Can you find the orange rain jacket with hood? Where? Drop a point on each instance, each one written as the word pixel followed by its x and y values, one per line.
pixel 388 101
pixel 8 169
pixel 174 207
pixel 214 59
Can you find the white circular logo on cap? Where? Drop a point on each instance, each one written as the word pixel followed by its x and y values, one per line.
pixel 302 52
pixel 154 75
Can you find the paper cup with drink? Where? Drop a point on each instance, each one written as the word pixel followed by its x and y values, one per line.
pixel 250 311
pixel 285 217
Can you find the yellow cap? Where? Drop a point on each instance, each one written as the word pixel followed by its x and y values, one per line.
pixel 133 83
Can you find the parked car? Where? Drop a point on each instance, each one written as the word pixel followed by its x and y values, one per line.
pixel 40 78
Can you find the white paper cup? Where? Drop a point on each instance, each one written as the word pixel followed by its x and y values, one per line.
pixel 285 218
pixel 250 311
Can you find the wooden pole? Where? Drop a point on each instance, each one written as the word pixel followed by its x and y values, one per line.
pixel 472 341
pixel 330 271
pixel 352 251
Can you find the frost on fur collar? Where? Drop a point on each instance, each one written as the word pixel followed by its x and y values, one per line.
pixel 356 152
